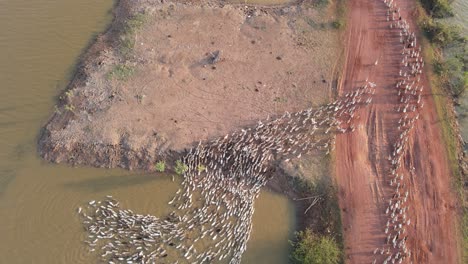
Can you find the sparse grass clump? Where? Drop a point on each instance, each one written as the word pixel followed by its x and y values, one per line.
pixel 135 22
pixel 201 168
pixel 338 24
pixel 180 168
pixel 70 108
pixel 127 37
pixel 69 94
pixel 310 248
pixel 160 166
pixel 321 3
pixel 280 99
pixel 121 72
pixel 341 10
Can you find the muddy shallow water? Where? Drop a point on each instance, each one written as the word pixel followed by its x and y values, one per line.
pixel 39 45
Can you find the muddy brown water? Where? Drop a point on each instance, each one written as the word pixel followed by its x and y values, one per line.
pixel 40 42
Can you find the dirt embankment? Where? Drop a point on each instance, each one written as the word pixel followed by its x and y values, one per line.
pixel 167 75
pixel 362 167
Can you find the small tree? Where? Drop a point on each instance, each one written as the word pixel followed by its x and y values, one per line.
pixel 180 167
pixel 160 166
pixel 312 249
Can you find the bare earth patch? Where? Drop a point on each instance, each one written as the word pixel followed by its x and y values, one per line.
pixel 181 73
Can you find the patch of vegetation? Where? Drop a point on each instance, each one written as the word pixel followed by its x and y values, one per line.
pixel 328 220
pixel 201 168
pixel 321 3
pixel 280 100
pixel 69 94
pixel 449 58
pixel 135 22
pixel 453 74
pixel 447 54
pixel 437 8
pixel 127 36
pixel 341 11
pixel 440 33
pixel 160 166
pixel 310 248
pixel 121 72
pixel 311 23
pixel 70 108
pixel 180 168
pixel 442 104
pixel 338 24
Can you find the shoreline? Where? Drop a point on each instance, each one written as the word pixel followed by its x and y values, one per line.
pixel 104 155
pixel 99 153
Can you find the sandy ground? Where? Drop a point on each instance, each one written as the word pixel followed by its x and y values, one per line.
pixel 271 60
pixel 362 167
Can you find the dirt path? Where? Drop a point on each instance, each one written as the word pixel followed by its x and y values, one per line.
pixel 362 166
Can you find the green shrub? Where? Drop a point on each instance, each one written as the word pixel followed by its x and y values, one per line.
pixel 160 166
pixel 313 249
pixel 440 33
pixel 180 167
pixel 437 8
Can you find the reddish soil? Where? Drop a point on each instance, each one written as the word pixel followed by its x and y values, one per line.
pixel 362 167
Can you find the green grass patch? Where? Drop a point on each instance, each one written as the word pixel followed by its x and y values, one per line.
pixel 160 166
pixel 121 72
pixel 135 22
pixel 129 29
pixel 180 168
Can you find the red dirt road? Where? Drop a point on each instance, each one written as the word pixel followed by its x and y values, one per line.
pixel 362 166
